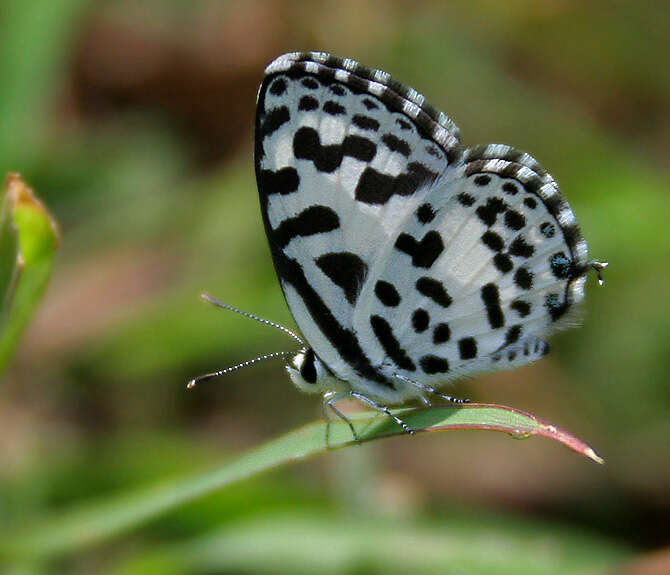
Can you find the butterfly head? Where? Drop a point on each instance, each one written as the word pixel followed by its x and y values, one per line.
pixel 307 371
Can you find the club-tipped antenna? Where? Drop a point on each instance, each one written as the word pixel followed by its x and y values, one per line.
pixel 222 305
pixel 598 267
pixel 196 380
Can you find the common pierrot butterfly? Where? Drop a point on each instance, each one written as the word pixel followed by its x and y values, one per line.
pixel 406 259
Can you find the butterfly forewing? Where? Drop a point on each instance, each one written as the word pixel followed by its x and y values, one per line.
pixel 339 164
pixel 398 252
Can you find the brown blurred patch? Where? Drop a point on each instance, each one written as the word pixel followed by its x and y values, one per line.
pixel 200 69
pixel 85 299
pixel 657 563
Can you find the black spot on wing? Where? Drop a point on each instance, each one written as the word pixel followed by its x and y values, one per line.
pixel 523 278
pixel 493 241
pixel 420 320
pixel 441 333
pixel 377 188
pixel 467 348
pixel 521 307
pixel 503 263
pixel 374 187
pixel 482 180
pixel 404 125
pixel 432 364
pixel 433 289
pixel 365 122
pixel 425 213
pixel 308 103
pixel 334 109
pixel 555 306
pixel 313 220
pixel 307 146
pixel 547 229
pixel 514 220
pixel 489 213
pixel 510 188
pixel 273 120
pixel 370 104
pixel 345 270
pixel 519 247
pixel 395 144
pixel 283 181
pixel 530 202
pixel 387 294
pixel 513 334
pixel 360 148
pixel 561 266
pixel 278 87
pixel 388 341
pixel 465 199
pixel 491 298
pixel 338 90
pixel 423 253
pixel 310 83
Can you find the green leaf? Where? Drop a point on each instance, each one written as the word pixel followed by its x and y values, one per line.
pixel 28 241
pixel 94 522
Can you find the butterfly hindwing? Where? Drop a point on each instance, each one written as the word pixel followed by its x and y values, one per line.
pixel 486 266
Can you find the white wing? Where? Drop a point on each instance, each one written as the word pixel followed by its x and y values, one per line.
pixel 398 252
pixel 339 163
pixel 504 265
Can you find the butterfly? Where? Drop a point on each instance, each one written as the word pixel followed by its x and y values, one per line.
pixel 407 260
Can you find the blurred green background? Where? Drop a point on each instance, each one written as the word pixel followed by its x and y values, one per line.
pixel 133 122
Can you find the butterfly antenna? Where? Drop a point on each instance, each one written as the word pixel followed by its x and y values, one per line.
pixel 598 267
pixel 196 380
pixel 222 305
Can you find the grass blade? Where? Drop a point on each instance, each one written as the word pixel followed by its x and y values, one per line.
pixel 94 522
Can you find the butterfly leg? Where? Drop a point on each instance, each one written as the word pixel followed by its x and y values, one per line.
pixel 431 390
pixel 329 400
pixel 426 401
pixel 382 409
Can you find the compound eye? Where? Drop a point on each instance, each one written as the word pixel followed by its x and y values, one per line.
pixel 308 368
